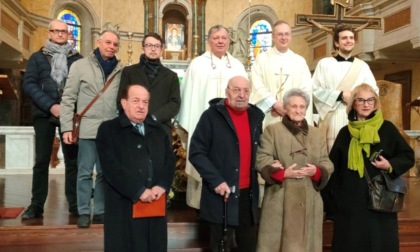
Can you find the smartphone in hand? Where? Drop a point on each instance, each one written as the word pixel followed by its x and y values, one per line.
pixel 375 156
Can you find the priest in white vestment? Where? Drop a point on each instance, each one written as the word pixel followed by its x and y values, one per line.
pixel 206 78
pixel 275 72
pixel 334 79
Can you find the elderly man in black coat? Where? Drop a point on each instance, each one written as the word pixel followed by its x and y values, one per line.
pixel 138 165
pixel 223 148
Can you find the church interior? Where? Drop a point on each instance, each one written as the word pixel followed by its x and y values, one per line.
pixel 389 43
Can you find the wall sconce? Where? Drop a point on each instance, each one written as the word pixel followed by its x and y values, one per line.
pixel 1 91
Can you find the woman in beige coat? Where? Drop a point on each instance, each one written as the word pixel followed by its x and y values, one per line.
pixel 293 160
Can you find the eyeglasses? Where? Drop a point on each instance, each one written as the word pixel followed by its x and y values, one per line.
pixel 152 46
pixel 236 90
pixel 361 101
pixel 59 31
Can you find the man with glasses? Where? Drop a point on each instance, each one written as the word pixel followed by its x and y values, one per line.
pixel 223 149
pixel 86 79
pixel 162 83
pixel 276 71
pixel 205 79
pixel 334 79
pixel 44 81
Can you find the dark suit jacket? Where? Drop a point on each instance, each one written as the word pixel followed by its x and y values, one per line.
pixel 165 99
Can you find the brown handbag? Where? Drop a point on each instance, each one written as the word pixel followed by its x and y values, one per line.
pixel 386 194
pixel 77 118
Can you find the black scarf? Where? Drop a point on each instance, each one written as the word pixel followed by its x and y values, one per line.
pixel 293 128
pixel 107 65
pixel 151 67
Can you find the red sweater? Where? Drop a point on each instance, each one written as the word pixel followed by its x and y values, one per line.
pixel 241 123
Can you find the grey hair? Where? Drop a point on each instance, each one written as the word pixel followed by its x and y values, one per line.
pixel 55 21
pixel 109 31
pixel 296 92
pixel 217 28
pixel 280 22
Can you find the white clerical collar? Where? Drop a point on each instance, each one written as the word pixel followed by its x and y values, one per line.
pixel 280 53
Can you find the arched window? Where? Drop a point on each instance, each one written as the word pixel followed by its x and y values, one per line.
pixel 74 25
pixel 261 39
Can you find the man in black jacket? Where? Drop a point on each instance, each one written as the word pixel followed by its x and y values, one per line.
pixel 138 166
pixel 44 81
pixel 162 82
pixel 223 148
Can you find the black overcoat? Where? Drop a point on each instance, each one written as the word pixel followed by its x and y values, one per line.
pixel 355 227
pixel 125 156
pixel 165 98
pixel 214 152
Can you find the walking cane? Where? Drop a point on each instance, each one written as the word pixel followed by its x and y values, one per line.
pixel 223 242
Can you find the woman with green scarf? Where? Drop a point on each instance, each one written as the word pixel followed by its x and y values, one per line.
pixel 356 228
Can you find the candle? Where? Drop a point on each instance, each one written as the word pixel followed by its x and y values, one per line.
pixel 129 15
pixel 195 17
pixel 249 14
pixel 102 13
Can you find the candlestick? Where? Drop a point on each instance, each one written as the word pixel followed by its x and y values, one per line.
pixel 130 48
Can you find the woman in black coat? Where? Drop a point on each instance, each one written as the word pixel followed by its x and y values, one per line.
pixel 356 228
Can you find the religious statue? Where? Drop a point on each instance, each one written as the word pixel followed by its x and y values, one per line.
pixel 238 46
pixel 108 26
pixel 344 3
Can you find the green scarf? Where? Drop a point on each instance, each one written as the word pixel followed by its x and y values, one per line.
pixel 363 135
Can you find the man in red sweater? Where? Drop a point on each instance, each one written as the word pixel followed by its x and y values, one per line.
pixel 223 148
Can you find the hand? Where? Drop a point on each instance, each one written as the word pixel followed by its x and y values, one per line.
pixel 148 196
pixel 277 164
pixel 291 172
pixel 158 191
pixel 381 163
pixel 55 110
pixel 309 170
pixel 223 189
pixel 68 137
pixel 346 96
pixel 278 108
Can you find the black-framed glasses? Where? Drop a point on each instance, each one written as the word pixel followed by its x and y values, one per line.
pixel 156 46
pixel 361 101
pixel 55 31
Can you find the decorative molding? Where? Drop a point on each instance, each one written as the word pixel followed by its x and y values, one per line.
pixel 397 20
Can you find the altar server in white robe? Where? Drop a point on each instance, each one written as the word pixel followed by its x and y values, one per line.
pixel 206 78
pixel 275 72
pixel 334 79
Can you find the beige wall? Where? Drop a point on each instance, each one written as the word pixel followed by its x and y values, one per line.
pixel 415 88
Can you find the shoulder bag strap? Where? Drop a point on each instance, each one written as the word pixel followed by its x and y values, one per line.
pixel 108 83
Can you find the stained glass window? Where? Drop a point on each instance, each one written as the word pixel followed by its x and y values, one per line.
pixel 74 25
pixel 261 39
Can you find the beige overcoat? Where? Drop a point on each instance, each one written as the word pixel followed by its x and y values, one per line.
pixel 292 211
